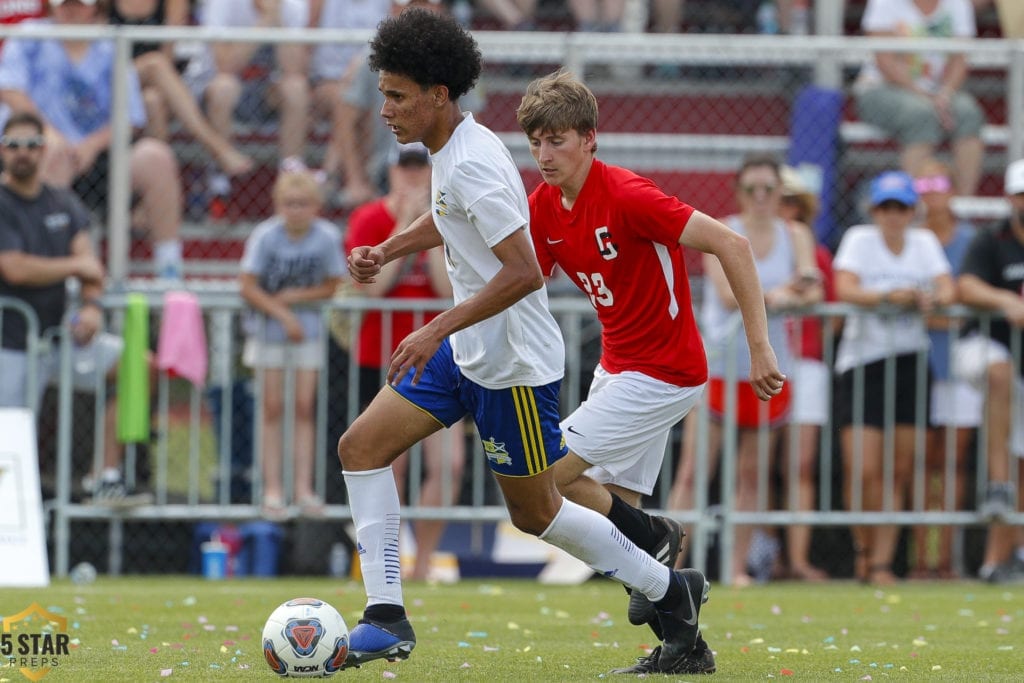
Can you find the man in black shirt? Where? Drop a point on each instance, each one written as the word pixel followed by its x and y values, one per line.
pixel 992 278
pixel 44 241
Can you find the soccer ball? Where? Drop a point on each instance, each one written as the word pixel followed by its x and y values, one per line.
pixel 305 638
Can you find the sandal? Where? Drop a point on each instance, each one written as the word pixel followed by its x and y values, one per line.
pixel 273 508
pixel 311 506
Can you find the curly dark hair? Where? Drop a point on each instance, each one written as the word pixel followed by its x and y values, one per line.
pixel 428 48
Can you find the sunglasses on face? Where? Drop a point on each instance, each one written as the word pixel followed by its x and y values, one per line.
pixel 751 190
pixel 935 183
pixel 21 143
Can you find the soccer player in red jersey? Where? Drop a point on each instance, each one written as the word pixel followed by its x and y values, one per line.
pixel 620 239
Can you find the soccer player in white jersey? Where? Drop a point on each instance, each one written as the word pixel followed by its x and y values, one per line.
pixel 620 239
pixel 497 354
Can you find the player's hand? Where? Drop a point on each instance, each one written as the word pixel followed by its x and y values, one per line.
pixel 414 352
pixel 364 264
pixel 765 376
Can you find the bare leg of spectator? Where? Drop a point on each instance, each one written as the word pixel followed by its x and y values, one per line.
pixel 914 156
pixel 156 180
pixel 293 100
pixel 967 156
pixel 352 141
pixel 157 124
pixel 444 454
pixel 798 536
pixel 682 495
pixel 270 437
pixel 222 96
pixel 998 406
pixel 513 14
pixel 157 72
pixel 304 449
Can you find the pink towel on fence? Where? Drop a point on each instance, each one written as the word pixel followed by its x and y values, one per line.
pixel 182 347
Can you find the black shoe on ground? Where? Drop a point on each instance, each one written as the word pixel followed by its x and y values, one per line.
pixel 700 661
pixel 666 551
pixel 679 627
pixel 371 640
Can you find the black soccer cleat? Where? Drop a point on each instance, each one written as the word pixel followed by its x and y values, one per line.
pixel 700 661
pixel 371 640
pixel 679 627
pixel 666 551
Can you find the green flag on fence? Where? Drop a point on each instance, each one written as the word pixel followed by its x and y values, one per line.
pixel 133 374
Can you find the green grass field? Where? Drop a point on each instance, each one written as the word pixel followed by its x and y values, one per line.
pixel 185 628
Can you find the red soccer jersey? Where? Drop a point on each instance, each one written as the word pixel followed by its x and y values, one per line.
pixel 370 225
pixel 620 245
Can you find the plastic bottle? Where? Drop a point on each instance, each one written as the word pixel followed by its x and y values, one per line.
pixel 800 18
pixel 339 560
pixel 767 19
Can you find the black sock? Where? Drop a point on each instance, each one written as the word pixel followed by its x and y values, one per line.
pixel 673 596
pixel 633 523
pixel 384 614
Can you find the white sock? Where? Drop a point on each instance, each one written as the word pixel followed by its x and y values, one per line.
pixel 592 538
pixel 167 255
pixel 373 499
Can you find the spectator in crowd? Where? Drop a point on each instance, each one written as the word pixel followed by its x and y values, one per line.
pixel 812 378
pixel 919 98
pixel 597 15
pixel 956 406
pixel 780 254
pixel 898 274
pixel 163 90
pixel 418 276
pixel 292 262
pixel 362 139
pixel 216 74
pixel 992 278
pixel 68 83
pixel 44 241
pixel 514 15
pixel 334 64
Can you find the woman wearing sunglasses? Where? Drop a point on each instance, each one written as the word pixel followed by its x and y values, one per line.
pixel 781 254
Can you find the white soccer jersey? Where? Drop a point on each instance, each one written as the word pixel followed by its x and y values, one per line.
pixel 479 200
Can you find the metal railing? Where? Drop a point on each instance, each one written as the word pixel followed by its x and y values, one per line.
pixel 204 493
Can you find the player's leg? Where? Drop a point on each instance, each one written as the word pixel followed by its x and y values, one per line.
pixel 524 441
pixel 397 418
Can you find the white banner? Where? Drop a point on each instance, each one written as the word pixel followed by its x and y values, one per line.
pixel 22 540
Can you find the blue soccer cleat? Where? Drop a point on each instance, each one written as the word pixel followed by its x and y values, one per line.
pixel 371 640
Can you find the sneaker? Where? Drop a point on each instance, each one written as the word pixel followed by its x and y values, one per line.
pixel 700 661
pixel 666 551
pixel 370 640
pixel 116 494
pixel 679 626
pixel 1011 572
pixel 999 501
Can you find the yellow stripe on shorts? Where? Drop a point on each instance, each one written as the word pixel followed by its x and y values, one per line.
pixel 530 430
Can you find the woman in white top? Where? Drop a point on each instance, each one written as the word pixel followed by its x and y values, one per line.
pixel 780 254
pixel 893 266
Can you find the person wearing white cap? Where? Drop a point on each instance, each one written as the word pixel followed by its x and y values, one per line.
pixel 992 278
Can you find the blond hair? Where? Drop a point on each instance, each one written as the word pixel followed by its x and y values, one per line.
pixel 555 103
pixel 297 179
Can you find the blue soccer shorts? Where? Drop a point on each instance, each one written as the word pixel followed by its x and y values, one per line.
pixel 518 426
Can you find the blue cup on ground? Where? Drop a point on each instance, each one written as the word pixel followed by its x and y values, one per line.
pixel 215 560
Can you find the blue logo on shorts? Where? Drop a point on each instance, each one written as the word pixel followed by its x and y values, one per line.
pixel 496 452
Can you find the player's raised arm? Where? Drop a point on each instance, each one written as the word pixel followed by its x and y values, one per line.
pixel 740 271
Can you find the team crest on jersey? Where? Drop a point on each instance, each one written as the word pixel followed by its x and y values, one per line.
pixel 496 452
pixel 440 203
pixel 605 246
